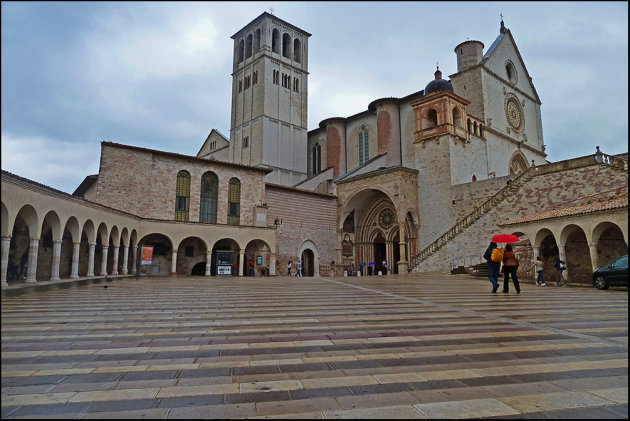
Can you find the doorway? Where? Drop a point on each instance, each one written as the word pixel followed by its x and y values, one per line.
pixel 308 263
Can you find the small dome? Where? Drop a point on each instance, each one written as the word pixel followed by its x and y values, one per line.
pixel 438 84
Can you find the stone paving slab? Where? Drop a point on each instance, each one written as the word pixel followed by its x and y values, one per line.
pixel 416 346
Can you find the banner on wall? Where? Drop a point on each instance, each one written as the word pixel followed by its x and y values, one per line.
pixel 147 256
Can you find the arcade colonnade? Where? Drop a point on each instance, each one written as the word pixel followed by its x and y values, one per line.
pixel 585 241
pixel 49 235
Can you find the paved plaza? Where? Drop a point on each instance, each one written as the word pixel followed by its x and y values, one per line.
pixel 430 345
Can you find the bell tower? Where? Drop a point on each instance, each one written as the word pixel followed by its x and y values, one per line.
pixel 268 125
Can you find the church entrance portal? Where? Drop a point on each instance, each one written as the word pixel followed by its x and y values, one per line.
pixel 308 263
pixel 380 253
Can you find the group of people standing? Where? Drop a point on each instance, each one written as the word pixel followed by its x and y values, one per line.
pixel 496 256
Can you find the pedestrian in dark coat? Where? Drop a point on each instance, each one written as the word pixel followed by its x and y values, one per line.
pixel 493 267
pixel 510 264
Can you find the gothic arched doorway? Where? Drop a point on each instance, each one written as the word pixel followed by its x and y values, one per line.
pixel 308 262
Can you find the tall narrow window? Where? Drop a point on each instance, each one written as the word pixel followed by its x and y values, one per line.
pixel 241 50
pixel 182 196
pixel 234 201
pixel 297 50
pixel 296 84
pixel 275 41
pixel 256 41
pixel 248 46
pixel 317 159
pixel 255 77
pixel 286 45
pixel 209 194
pixel 364 145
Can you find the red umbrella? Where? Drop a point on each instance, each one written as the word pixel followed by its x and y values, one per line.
pixel 505 238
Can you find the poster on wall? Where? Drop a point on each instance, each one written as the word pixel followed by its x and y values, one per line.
pixel 147 256
pixel 224 270
pixel 258 260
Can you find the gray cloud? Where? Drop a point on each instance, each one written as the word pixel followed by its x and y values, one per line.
pixel 158 74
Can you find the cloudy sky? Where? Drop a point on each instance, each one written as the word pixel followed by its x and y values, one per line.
pixel 157 75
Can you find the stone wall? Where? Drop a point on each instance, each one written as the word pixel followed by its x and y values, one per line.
pixel 305 216
pixel 143 182
pixel 557 186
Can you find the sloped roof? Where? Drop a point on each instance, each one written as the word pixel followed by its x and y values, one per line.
pixel 617 203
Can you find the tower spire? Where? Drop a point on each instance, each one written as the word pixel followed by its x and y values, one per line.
pixel 502 30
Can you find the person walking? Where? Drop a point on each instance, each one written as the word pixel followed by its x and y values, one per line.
pixel 289 268
pixel 493 265
pixel 252 272
pixel 298 268
pixel 560 267
pixel 510 265
pixel 538 265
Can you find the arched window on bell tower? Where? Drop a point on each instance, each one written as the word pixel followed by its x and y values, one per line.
pixel 457 118
pixel 241 50
pixel 432 120
pixel 275 41
pixel 257 41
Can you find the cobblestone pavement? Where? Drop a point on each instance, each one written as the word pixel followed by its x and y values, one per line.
pixel 418 346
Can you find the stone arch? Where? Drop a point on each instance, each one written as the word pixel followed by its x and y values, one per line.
pixel 310 264
pixel 225 245
pixel 4 220
pixel 359 201
pixel 241 50
pixel 253 249
pixel 249 46
pixel 190 252
pixel 162 254
pixel 548 250
pixel 29 215
pixel 71 234
pixel 577 257
pixel 609 243
pixel 297 50
pixel 286 45
pixel 457 117
pixel 256 40
pixel 87 237
pixel 517 163
pixel 49 241
pixel 431 119
pixel 275 40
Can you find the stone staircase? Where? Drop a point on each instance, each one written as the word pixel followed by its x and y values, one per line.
pixel 473 216
pixel 616 162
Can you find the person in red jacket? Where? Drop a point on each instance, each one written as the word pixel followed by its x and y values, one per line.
pixel 510 264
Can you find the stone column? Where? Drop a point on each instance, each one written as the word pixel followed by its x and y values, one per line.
pixel 104 261
pixel 125 260
pixel 389 256
pixel 90 271
pixel 115 265
pixel 592 248
pixel 54 275
pixel 174 262
pixel 208 263
pixel 74 271
pixel 563 257
pixel 134 264
pixel 241 260
pixel 403 266
pixel 6 244
pixel 31 272
pixel 272 264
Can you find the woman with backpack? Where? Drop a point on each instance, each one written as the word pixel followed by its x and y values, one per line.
pixel 510 265
pixel 493 256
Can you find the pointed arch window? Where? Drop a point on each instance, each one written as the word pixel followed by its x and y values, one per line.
pixel 364 145
pixel 317 159
pixel 182 196
pixel 234 201
pixel 209 195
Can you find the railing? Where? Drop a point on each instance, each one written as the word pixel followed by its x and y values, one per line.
pixel 473 216
pixel 616 162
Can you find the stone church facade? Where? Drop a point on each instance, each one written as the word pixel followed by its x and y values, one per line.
pixel 409 184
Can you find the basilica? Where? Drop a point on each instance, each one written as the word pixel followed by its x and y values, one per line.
pixel 417 183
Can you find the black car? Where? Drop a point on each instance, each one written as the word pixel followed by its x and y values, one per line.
pixel 613 274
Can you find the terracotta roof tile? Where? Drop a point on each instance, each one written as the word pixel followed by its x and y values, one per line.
pixel 617 203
